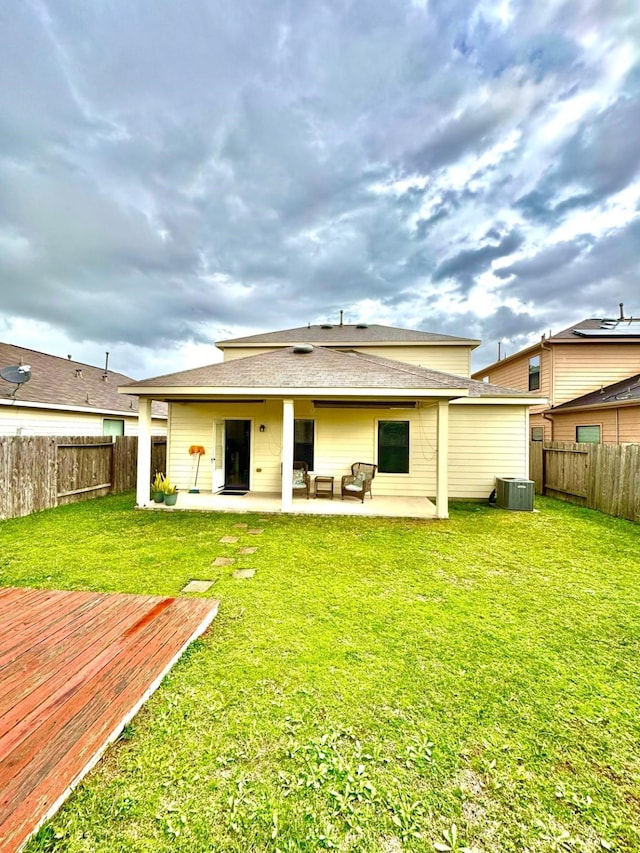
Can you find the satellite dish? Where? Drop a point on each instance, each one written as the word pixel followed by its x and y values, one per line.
pixel 17 375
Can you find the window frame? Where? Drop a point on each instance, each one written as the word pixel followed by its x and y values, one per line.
pixel 534 372
pixel 537 427
pixel 105 421
pixel 379 426
pixel 297 456
pixel 589 440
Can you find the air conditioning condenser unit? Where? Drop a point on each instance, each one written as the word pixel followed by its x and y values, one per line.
pixel 514 493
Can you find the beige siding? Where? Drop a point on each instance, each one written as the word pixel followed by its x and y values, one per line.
pixel 448 359
pixel 485 442
pixel 242 352
pixel 22 421
pixel 617 426
pixel 580 368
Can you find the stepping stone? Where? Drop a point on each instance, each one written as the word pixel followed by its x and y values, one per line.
pixel 223 561
pixel 228 540
pixel 197 586
pixel 247 550
pixel 244 573
pixel 240 525
pixel 255 531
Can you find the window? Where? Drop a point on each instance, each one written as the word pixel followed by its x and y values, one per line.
pixel 112 426
pixel 303 441
pixel 590 434
pixel 537 433
pixel 534 373
pixel 393 447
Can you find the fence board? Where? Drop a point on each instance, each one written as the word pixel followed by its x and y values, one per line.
pixel 41 472
pixel 605 477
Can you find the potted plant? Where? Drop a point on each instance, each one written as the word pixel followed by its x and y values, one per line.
pixel 170 493
pixel 157 488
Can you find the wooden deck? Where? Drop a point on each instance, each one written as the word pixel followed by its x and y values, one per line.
pixel 75 667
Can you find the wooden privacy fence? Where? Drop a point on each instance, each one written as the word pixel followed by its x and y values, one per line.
pixel 605 477
pixel 40 472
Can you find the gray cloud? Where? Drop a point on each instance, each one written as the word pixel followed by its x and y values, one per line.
pixel 168 172
pixel 469 263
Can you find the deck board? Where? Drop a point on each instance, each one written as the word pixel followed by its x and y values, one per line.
pixel 70 679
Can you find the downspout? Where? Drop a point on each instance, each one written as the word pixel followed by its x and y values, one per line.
pixel 549 418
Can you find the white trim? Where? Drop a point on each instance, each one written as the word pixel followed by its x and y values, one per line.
pixel 442 461
pixel 460 342
pixel 288 416
pixel 166 392
pixel 55 407
pixel 143 481
pixel 500 401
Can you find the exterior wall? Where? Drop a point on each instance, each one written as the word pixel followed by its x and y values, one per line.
pixel 486 442
pixel 515 374
pixel 454 359
pixel 568 370
pixel 580 368
pixel 233 353
pixel 16 420
pixel 617 426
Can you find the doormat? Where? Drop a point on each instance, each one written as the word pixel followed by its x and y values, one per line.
pixel 232 492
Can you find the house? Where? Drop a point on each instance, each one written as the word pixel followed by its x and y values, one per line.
pixel 65 397
pixel 334 395
pixel 566 366
pixel 610 415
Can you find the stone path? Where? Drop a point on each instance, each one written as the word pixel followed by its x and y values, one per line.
pixel 198 586
pixel 240 574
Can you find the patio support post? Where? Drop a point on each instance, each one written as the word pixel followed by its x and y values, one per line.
pixel 143 484
pixel 442 464
pixel 287 455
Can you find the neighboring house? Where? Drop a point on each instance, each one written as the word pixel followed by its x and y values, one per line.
pixel 610 415
pixel 334 395
pixel 565 366
pixel 65 397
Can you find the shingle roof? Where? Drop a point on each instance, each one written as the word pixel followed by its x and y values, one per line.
pixel 598 328
pixel 318 369
pixel 62 382
pixel 346 335
pixel 610 395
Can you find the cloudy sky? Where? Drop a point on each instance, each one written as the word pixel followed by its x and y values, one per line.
pixel 175 172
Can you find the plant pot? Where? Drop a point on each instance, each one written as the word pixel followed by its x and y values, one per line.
pixel 158 497
pixel 170 500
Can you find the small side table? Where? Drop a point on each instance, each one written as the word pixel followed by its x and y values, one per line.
pixel 323 486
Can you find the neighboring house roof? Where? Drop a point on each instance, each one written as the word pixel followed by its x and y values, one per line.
pixel 60 382
pixel 345 335
pixel 320 368
pixel 625 392
pixel 600 329
pixel 592 330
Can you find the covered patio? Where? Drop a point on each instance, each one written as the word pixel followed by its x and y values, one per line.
pixel 379 505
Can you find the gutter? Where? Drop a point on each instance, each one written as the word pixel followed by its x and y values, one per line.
pixel 56 407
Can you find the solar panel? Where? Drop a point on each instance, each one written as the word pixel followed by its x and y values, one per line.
pixel 613 332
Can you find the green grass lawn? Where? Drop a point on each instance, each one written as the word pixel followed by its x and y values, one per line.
pixel 379 685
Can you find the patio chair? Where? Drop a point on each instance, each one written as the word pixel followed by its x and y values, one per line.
pixel 301 478
pixel 358 482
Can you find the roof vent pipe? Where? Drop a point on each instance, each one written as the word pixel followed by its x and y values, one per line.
pixel 621 307
pixel 341 315
pixel 302 349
